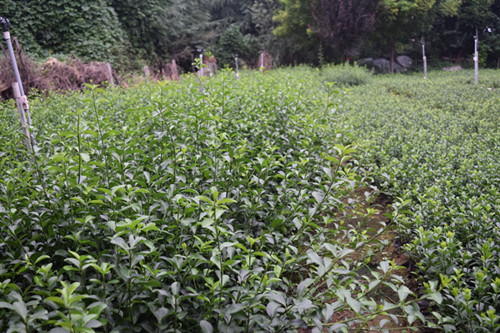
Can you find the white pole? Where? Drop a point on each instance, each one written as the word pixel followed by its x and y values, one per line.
pixel 476 58
pixel 425 59
pixel 21 100
pixel 236 63
pixel 262 59
pixel 22 117
pixel 201 66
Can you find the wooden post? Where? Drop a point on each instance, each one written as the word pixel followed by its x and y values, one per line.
pixel 110 74
pixel 22 116
pixel 146 72
pixel 175 72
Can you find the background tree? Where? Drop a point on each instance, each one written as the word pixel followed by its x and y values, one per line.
pixel 232 42
pixel 400 21
pixel 160 29
pixel 262 13
pixel 225 13
pixel 254 20
pixel 343 24
pixel 132 33
pixel 452 36
pixel 294 27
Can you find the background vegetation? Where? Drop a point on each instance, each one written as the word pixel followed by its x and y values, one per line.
pixel 152 32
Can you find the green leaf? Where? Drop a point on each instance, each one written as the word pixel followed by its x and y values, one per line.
pixel 93 324
pixel 160 314
pixel 272 308
pixel 435 296
pixel 303 285
pixel 59 330
pixel 59 301
pixel 5 305
pixel 206 327
pixel 78 199
pixel 384 266
pixel 403 292
pixel 354 304
pixel 121 243
pixel 96 308
pixel 304 304
pixel 85 157
pixel 225 201
pixel 315 258
pixel 176 287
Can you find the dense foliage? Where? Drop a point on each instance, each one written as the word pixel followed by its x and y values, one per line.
pixel 132 33
pixel 434 146
pixel 215 205
pixel 88 29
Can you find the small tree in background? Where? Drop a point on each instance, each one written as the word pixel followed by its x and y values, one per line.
pixel 232 42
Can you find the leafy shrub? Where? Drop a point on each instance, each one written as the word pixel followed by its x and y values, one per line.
pixel 433 144
pixel 170 208
pixel 346 75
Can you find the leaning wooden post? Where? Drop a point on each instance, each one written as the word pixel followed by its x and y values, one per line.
pixel 22 116
pixel 175 72
pixel 110 74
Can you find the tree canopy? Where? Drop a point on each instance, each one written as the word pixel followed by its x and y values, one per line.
pixel 132 33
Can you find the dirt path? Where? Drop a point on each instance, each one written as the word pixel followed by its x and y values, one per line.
pixel 369 210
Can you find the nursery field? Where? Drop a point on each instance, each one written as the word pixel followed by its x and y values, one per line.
pixel 433 146
pixel 279 202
